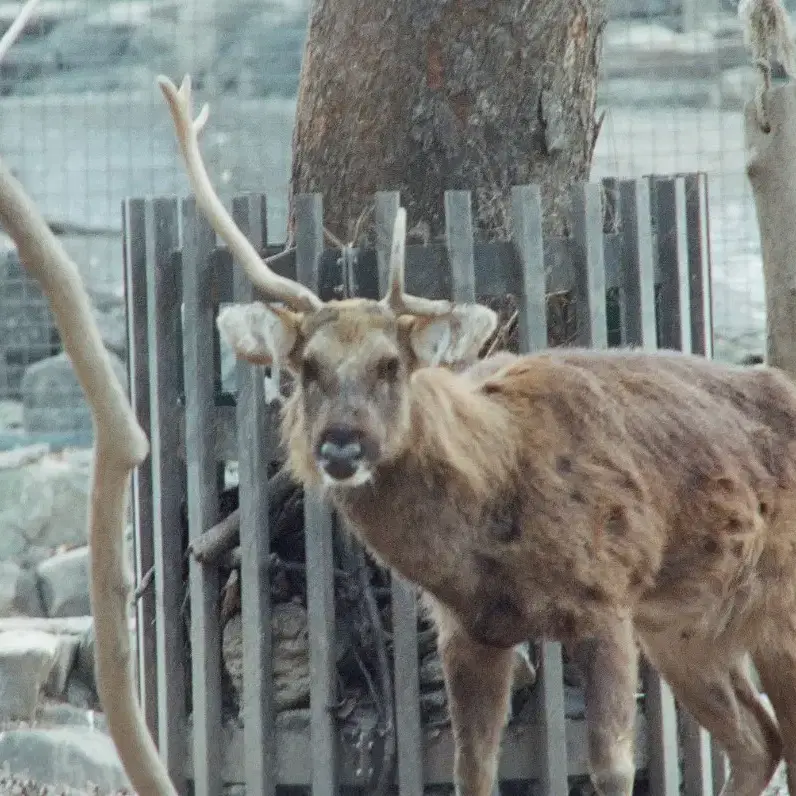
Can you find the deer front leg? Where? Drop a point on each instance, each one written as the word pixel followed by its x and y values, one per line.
pixel 609 665
pixel 478 683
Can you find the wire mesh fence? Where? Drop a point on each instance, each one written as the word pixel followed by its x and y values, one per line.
pixel 83 126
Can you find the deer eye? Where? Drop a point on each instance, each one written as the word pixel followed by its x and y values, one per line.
pixel 388 368
pixel 310 372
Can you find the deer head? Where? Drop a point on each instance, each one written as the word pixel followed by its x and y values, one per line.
pixel 352 359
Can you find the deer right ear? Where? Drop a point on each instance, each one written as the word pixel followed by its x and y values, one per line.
pixel 259 333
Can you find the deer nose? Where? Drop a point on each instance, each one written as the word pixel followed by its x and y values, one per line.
pixel 341 449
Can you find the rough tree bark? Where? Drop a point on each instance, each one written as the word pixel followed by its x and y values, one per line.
pixel 427 95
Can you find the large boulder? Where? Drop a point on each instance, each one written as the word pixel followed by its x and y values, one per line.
pixel 53 400
pixel 32 663
pixel 64 583
pixel 43 501
pixel 19 593
pixel 65 756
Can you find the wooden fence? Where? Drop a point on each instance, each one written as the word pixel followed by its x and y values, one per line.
pixel 638 253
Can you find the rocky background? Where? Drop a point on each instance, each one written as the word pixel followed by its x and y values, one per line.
pixel 83 128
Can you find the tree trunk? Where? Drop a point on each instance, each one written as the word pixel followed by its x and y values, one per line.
pixel 423 96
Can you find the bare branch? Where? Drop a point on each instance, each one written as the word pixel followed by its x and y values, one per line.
pixel 119 446
pixel 292 293
pixel 17 26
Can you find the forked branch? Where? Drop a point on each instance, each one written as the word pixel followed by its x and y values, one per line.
pixel 119 446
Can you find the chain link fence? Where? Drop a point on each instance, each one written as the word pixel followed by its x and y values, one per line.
pixel 83 126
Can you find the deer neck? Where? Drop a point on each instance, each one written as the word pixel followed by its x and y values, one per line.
pixel 420 506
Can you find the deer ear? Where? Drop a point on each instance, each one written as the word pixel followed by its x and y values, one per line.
pixel 454 338
pixel 259 333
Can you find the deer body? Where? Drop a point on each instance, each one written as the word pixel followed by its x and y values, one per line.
pixel 601 498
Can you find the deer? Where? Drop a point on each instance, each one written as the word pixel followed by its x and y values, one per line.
pixel 619 501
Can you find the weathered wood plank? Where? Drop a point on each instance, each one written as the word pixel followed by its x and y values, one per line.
pixel 672 255
pixel 319 549
pixel 168 479
pixel 637 288
pixel 198 242
pixel 526 210
pixel 697 763
pixel 404 606
pixel 461 260
pixel 526 207
pixel 590 285
pixel 697 226
pixel 459 241
pixel 663 741
pixel 386 206
pixel 254 419
pixel 135 275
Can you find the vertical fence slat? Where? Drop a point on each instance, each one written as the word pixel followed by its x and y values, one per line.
pixel 404 605
pixel 526 212
pixel 253 420
pixel 163 297
pixel 673 267
pixel 135 275
pixel 637 275
pixel 461 257
pixel 696 199
pixel 198 242
pixel 386 207
pixel 319 547
pixel 672 247
pixel 526 207
pixel 587 218
pixel 662 739
pixel 459 239
pixel 697 763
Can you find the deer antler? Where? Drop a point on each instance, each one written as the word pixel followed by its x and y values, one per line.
pixel 293 294
pixel 119 446
pixel 395 298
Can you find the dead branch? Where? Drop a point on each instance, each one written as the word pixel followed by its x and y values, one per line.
pixel 120 445
pixel 216 542
pixel 145 583
pixel 17 27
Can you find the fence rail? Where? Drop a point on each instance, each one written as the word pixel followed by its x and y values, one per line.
pixel 636 269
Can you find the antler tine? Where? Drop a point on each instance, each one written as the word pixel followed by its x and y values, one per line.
pixel 293 294
pixel 395 298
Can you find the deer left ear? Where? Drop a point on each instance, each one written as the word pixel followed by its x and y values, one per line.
pixel 454 338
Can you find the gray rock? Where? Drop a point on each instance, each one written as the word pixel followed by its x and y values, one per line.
pixel 10 411
pixel 62 714
pixel 67 756
pixel 32 662
pixel 64 583
pixel 19 594
pixel 43 502
pixel 52 398
pixel 291 654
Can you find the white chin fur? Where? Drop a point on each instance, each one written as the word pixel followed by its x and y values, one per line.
pixel 362 476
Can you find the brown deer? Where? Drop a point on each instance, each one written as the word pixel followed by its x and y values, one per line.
pixel 597 498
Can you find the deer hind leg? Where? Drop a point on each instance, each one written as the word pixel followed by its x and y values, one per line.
pixel 721 698
pixel 777 670
pixel 609 665
pixel 478 684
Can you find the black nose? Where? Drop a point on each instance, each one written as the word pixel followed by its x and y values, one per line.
pixel 340 448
